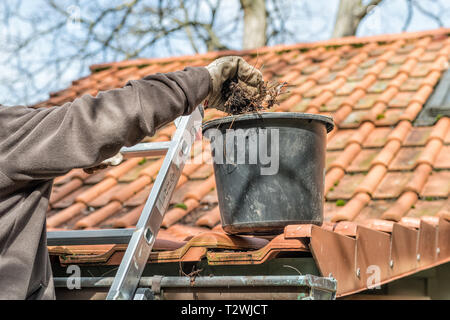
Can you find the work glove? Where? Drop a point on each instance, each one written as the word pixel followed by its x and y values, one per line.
pixel 228 68
pixel 113 161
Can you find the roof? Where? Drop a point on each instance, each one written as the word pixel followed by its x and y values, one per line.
pixel 386 179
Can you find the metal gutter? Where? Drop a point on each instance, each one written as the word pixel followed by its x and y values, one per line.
pixel 315 287
pixel 89 237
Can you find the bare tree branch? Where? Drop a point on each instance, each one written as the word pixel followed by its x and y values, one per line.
pixel 409 16
pixel 428 13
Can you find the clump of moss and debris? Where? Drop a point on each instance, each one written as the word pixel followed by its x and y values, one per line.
pixel 240 98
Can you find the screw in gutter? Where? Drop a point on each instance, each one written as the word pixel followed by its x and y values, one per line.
pixel 358 272
pixel 418 257
pixel 391 264
pixel 438 251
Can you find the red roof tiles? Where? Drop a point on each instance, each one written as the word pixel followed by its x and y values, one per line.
pixel 380 168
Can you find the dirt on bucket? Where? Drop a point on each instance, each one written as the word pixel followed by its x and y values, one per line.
pixel 240 98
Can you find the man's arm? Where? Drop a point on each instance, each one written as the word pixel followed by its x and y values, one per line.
pixel 48 142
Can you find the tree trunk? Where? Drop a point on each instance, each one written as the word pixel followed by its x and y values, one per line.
pixel 255 23
pixel 346 24
pixel 349 16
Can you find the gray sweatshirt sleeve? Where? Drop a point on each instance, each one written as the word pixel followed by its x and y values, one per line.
pixel 47 142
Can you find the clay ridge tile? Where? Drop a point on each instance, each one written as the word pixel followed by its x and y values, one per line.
pixel 317 44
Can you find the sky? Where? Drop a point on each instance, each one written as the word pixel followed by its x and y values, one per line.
pixel 310 20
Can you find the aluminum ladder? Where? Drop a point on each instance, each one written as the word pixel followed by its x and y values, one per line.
pixel 141 239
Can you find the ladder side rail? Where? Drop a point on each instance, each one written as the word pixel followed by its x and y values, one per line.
pixel 138 251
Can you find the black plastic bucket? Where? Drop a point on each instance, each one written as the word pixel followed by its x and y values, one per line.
pixel 269 169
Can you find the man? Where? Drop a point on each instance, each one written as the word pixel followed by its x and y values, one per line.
pixel 37 145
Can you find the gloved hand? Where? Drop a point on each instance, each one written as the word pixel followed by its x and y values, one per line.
pixel 227 68
pixel 113 161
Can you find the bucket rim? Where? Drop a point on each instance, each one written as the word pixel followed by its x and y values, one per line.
pixel 326 120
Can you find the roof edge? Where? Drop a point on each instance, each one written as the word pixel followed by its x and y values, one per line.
pixel 305 45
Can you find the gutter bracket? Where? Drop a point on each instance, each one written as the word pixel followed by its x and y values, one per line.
pixel 156 287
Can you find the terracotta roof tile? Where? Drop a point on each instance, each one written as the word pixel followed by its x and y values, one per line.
pixel 440 129
pixel 426 208
pixel 202 189
pixel 399 80
pixel 202 172
pixel 363 161
pixel 330 158
pixel 347 156
pixel 390 117
pixel 378 165
pixel 403 204
pixel 210 198
pixel 134 173
pixel 152 170
pixel 401 99
pixel 430 152
pixel 99 215
pixel 353 119
pixel 443 159
pixel 104 198
pixel 428 56
pixel 69 199
pixel 345 188
pixel 76 173
pixel 411 84
pixel 96 190
pixel 398 59
pixel 377 138
pixel 392 185
pixel 332 177
pixel 372 179
pixel 419 178
pixel 174 215
pixel 64 215
pixel 406 159
pixel 417 137
pixel 410 113
pixel 438 185
pixel 367 101
pixel 400 131
pixel 447 138
pixel 130 218
pixel 60 192
pixel 387 153
pixel 131 189
pixel 209 219
pixel 340 139
pixel 188 186
pixel 138 197
pixel 352 208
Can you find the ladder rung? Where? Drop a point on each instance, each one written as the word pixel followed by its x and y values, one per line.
pixel 85 237
pixel 146 149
